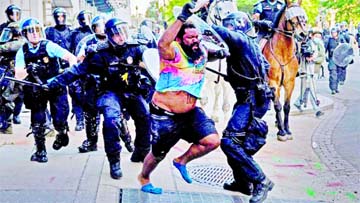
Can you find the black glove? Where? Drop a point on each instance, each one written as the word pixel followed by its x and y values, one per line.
pixel 263 24
pixel 222 53
pixel 33 69
pixel 186 13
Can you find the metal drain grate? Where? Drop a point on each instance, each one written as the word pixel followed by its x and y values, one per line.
pixel 210 175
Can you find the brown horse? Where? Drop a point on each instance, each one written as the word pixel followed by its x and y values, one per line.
pixel 280 51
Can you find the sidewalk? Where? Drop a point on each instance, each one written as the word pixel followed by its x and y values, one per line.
pixel 298 173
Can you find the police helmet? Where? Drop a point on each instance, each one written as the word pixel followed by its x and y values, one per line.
pixel 31 26
pixel 57 12
pixel 84 18
pixel 10 32
pixel 239 21
pixel 116 27
pixel 98 24
pixel 334 30
pixel 13 10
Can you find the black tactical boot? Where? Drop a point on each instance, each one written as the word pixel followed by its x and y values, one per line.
pixel 261 190
pixel 88 146
pixel 115 170
pixel 39 135
pixel 114 160
pixel 62 139
pixel 245 188
pixel 91 128
pixel 39 155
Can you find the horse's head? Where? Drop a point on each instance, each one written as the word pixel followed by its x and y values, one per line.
pixel 292 20
pixel 296 20
pixel 219 9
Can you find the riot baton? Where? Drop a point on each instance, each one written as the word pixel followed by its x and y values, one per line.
pixel 24 82
pixel 216 72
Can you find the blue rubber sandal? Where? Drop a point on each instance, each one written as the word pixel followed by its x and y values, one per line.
pixel 184 173
pixel 149 188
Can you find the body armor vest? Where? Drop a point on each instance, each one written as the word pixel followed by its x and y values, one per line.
pixel 48 66
pixel 332 44
pixel 77 35
pixel 58 37
pixel 269 11
pixel 122 73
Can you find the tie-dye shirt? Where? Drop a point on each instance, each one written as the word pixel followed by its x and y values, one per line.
pixel 181 74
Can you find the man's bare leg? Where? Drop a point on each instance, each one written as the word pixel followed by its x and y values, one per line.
pixel 206 145
pixel 150 164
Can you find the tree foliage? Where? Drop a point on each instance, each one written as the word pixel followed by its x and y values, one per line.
pixel 346 10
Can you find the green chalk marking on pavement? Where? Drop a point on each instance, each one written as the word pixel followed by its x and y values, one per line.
pixel 332 193
pixel 311 192
pixel 277 159
pixel 351 196
pixel 318 166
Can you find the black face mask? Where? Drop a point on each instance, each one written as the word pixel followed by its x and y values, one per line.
pixel 189 51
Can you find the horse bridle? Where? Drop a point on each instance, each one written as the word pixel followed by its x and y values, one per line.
pixel 291 33
pixel 286 33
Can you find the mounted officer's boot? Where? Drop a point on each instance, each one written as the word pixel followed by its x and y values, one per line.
pixel 62 138
pixel 39 135
pixel 79 122
pixel 125 136
pixel 91 128
pixel 114 161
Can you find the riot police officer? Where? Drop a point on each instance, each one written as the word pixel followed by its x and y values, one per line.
pixel 39 58
pixel 265 11
pixel 10 92
pixel 60 32
pixel 245 133
pixel 334 70
pixel 13 13
pixel 118 67
pixel 76 90
pixel 92 90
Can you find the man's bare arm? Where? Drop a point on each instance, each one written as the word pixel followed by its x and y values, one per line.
pixel 167 51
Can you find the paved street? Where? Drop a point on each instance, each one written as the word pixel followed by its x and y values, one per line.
pixel 320 165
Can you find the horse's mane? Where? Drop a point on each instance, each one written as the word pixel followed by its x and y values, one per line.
pixel 278 16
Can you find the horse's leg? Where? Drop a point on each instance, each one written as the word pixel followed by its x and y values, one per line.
pixel 217 102
pixel 227 99
pixel 289 87
pixel 281 133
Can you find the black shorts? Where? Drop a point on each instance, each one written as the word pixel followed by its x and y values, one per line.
pixel 168 128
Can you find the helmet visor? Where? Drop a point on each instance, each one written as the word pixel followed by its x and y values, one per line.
pixel 33 33
pixel 15 15
pixel 85 19
pixel 98 27
pixel 60 18
pixel 119 33
pixel 6 35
